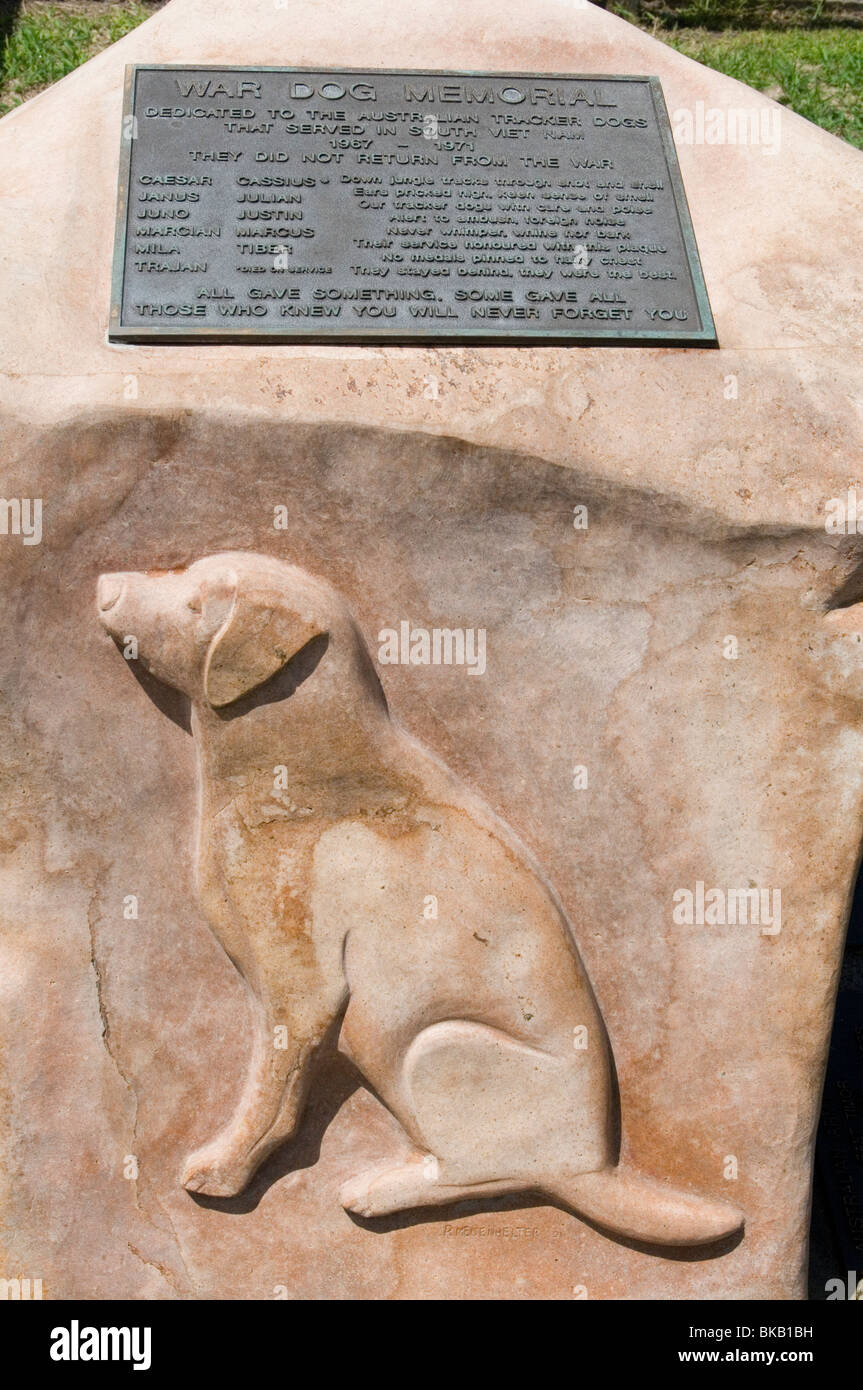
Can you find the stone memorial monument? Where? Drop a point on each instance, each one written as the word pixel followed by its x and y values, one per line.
pixel 433 665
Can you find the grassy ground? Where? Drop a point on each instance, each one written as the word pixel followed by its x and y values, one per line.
pixel 40 43
pixel 816 71
pixel 745 14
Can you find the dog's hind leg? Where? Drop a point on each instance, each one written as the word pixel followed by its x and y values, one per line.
pixel 492 1115
pixel 384 1190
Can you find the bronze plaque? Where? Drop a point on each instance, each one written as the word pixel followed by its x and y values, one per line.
pixel 294 205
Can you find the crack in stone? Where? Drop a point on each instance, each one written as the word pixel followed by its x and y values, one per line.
pixel 133 1095
pixel 160 1268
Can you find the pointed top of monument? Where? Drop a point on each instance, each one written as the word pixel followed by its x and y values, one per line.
pixel 774 201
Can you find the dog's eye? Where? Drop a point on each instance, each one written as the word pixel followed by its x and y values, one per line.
pixel 194 604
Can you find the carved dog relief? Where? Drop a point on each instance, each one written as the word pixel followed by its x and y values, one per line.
pixel 463 1024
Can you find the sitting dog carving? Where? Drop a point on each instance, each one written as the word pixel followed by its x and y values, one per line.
pixel 323 827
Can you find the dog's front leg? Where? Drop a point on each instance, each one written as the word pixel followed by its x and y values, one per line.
pixel 273 1098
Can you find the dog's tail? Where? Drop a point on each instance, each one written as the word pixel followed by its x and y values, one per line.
pixel 646 1210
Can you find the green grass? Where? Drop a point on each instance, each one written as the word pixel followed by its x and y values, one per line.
pixel 47 41
pixel 818 72
pixel 740 14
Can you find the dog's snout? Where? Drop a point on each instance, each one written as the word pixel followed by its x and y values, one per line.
pixel 109 590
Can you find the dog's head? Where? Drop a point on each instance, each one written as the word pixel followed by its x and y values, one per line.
pixel 220 628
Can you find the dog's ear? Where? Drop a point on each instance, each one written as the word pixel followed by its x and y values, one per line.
pixel 260 634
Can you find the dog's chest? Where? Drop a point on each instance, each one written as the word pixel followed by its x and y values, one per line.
pixel 256 865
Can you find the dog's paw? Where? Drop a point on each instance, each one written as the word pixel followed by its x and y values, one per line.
pixel 356 1196
pixel 213 1175
pixel 382 1191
